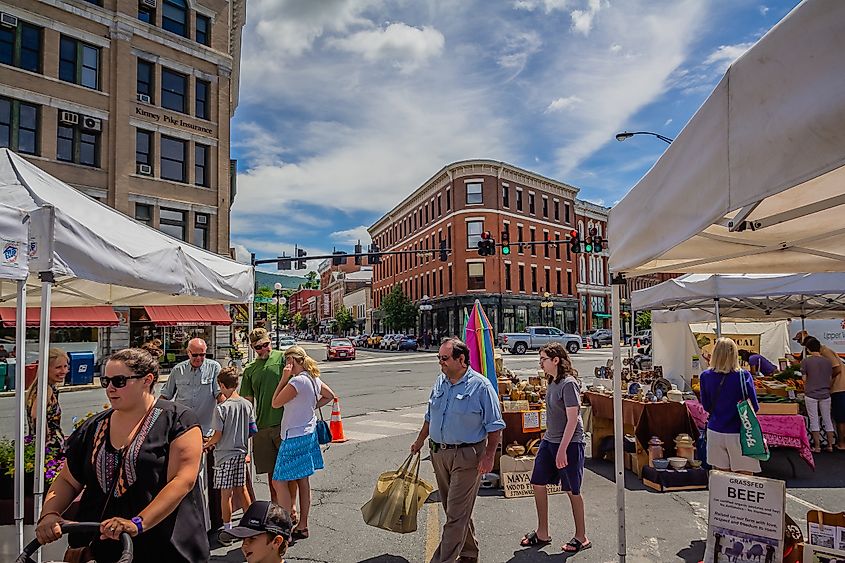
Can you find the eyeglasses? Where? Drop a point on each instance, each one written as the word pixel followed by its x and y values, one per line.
pixel 444 358
pixel 118 381
pixel 261 346
pixel 200 355
pixel 542 359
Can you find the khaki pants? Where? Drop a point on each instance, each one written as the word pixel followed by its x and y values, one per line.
pixel 456 471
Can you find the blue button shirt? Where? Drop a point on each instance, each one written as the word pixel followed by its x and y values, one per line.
pixel 464 412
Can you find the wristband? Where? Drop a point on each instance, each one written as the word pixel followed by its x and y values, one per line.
pixel 139 522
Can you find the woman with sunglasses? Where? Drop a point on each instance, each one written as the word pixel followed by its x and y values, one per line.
pixel 136 466
pixel 300 391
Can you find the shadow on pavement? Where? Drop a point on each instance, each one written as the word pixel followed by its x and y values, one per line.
pixel 606 469
pixel 531 554
pixel 386 558
pixel 693 553
pixel 787 465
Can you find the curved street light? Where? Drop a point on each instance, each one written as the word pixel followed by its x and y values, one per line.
pixel 628 134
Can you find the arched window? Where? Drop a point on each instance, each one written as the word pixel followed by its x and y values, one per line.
pixel 174 16
pixel 582 269
pixel 592 269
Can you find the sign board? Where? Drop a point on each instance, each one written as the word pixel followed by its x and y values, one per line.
pixel 13 259
pixel 830 332
pixel 519 485
pixel 530 420
pixel 706 341
pixel 745 518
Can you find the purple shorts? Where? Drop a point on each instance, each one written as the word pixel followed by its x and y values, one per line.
pixel 546 472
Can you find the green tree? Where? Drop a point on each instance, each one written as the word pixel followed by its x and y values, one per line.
pixel 299 321
pixel 344 321
pixel 313 324
pixel 643 320
pixel 398 311
pixel 265 291
pixel 312 281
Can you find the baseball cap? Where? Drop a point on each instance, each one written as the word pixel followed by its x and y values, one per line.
pixel 258 519
pixel 258 336
pixel 800 335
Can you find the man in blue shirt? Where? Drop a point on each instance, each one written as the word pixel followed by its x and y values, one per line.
pixel 464 426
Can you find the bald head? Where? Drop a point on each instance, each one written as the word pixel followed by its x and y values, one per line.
pixel 196 351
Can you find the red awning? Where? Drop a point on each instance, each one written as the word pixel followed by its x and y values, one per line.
pixel 188 315
pixel 63 316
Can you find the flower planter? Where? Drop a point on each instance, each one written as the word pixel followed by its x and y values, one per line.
pixel 7 499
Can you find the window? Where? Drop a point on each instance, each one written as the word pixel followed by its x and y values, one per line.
pixel 557 282
pixel 566 213
pixel 548 281
pixel 144 147
pixel 426 215
pixel 146 13
pixel 507 277
pixel 19 126
pixel 474 193
pixel 521 277
pixel 475 275
pixel 546 245
pixel 519 248
pixel 203 29
pixel 568 282
pixel 557 246
pixel 533 279
pixel 201 165
pixel 448 200
pixel 174 17
pixel 201 222
pixel 79 63
pixel 439 205
pixel 144 214
pixel 21 46
pixel 450 278
pixel 531 204
pixel 146 73
pixel 533 233
pixel 174 159
pixel 174 90
pixel 172 222
pixel 506 196
pixel 545 206
pixel 203 89
pixel 474 230
pixel 518 199
pixel 73 144
pixel 440 276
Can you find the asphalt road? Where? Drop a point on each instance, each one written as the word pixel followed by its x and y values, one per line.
pixel 383 397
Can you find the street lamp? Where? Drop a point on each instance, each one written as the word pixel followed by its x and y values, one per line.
pixel 547 305
pixel 624 135
pixel 425 306
pixel 279 300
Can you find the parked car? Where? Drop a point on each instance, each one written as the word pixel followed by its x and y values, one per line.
pixel 360 340
pixel 286 342
pixel 407 343
pixel 535 337
pixel 374 341
pixel 387 341
pixel 644 336
pixel 340 349
pixel 598 338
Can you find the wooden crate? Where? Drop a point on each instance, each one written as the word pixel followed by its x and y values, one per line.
pixel 778 408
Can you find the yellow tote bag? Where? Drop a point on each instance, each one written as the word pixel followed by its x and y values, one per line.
pixel 397 498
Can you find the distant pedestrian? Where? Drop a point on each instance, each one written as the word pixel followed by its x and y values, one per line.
pixel 266 532
pixel 234 425
pixel 4 354
pixel 300 391
pixel 837 390
pixel 560 459
pixel 56 372
pixel 818 378
pixel 465 425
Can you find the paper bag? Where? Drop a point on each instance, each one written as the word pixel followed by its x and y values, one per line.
pixel 397 498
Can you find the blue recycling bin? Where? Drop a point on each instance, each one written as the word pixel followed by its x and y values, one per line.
pixel 81 370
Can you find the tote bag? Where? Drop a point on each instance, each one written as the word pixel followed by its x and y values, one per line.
pixel 397 498
pixel 750 433
pixel 324 434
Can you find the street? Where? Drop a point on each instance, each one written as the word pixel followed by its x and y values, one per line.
pixel 382 400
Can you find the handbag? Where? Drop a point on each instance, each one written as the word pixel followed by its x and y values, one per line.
pixel 397 498
pixel 324 434
pixel 750 433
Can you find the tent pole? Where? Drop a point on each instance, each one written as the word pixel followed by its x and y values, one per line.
pixel 618 458
pixel 43 370
pixel 250 353
pixel 20 408
pixel 718 319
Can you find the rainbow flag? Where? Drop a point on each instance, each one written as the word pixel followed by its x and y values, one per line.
pixel 479 338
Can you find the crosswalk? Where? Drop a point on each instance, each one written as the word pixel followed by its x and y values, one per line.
pixel 384 424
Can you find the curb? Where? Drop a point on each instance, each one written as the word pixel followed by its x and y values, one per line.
pixel 379 350
pixel 87 387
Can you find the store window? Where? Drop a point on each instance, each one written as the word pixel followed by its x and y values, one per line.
pixel 145 78
pixel 172 222
pixel 174 16
pixel 203 89
pixel 146 13
pixel 475 275
pixel 79 63
pixel 203 34
pixel 20 46
pixel 78 145
pixel 201 164
pixel 174 159
pixel 174 90
pixel 507 277
pixel 201 224
pixel 19 125
pixel 474 195
pixel 474 230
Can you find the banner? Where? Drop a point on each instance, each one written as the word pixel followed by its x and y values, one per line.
pixel 706 341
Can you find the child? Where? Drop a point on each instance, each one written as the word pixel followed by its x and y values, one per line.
pixel 265 529
pixel 818 376
pixel 233 425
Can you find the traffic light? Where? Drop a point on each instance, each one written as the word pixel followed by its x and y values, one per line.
pixel 300 259
pixel 574 242
pixel 486 245
pixel 506 242
pixel 598 244
pixel 588 240
pixel 358 257
pixel 284 262
pixel 373 256
pixel 338 258
pixel 444 254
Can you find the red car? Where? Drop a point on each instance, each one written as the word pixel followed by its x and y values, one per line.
pixel 340 349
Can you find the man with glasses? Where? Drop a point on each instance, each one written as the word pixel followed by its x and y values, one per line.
pixel 464 426
pixel 193 383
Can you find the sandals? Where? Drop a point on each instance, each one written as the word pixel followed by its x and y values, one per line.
pixel 531 539
pixel 299 534
pixel 576 546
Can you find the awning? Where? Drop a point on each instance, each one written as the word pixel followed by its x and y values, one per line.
pixel 63 316
pixel 188 315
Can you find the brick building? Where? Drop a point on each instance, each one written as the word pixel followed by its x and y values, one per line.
pixel 457 205
pixel 298 301
pixel 593 278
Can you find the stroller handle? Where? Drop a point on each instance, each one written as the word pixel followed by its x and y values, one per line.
pixel 80 527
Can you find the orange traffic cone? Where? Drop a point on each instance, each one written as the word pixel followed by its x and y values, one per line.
pixel 336 424
pixel 638 343
pixel 589 344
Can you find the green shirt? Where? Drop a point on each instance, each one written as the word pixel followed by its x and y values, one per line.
pixel 261 377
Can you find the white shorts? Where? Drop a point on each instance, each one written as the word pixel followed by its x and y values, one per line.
pixel 724 451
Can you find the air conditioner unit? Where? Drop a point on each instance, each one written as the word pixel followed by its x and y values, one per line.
pixel 144 98
pixel 202 219
pixel 145 169
pixel 8 20
pixel 68 117
pixel 149 3
pixel 92 123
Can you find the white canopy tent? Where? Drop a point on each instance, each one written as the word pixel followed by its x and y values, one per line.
pixel 753 183
pixel 91 254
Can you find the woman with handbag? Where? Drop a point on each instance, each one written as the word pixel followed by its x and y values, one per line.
pixel 723 387
pixel 136 466
pixel 300 391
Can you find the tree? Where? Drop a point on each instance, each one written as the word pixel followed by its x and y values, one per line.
pixel 312 281
pixel 398 311
pixel 343 319
pixel 313 324
pixel 643 320
pixel 299 321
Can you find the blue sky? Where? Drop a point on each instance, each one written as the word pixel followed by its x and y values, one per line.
pixel 348 106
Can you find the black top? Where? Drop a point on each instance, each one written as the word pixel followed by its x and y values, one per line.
pixel 94 463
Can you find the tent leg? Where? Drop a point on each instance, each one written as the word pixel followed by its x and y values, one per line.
pixel 43 370
pixel 618 454
pixel 718 320
pixel 20 415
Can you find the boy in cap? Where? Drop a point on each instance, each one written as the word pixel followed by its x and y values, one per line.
pixel 265 530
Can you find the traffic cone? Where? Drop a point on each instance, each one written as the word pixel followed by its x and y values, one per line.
pixel 589 345
pixel 336 424
pixel 638 343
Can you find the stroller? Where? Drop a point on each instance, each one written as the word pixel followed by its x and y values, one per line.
pixel 80 527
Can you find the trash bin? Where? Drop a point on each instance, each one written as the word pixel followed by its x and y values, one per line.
pixel 11 364
pixel 81 370
pixel 3 376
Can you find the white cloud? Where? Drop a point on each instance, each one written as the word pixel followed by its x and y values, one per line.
pixel 582 20
pixel 615 48
pixel 547 5
pixel 404 46
pixel 725 55
pixel 763 10
pixel 561 104
pixel 352 236
pixel 519 47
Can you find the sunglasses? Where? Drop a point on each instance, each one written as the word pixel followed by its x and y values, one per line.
pixel 261 346
pixel 444 358
pixel 118 381
pixel 200 355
